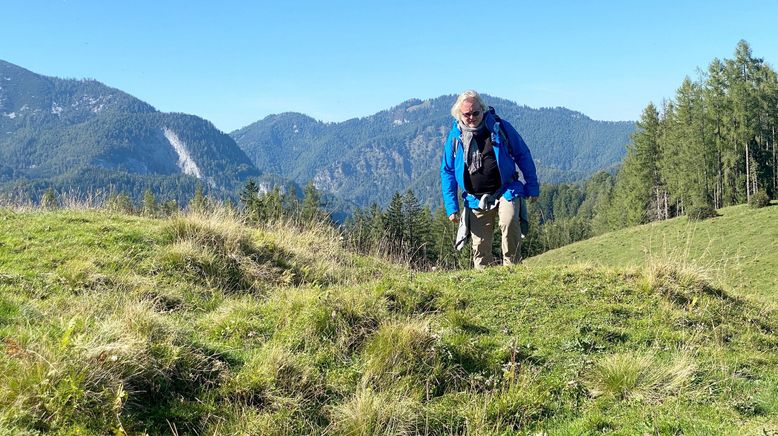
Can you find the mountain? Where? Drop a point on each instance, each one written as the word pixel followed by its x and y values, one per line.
pixel 368 159
pixel 85 135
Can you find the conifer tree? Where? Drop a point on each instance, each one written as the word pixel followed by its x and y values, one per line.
pixel 49 199
pixel 638 187
pixel 150 206
pixel 248 195
pixel 415 229
pixel 357 231
pixel 310 210
pixel 273 203
pixel 394 223
pixel 170 208
pixel 716 109
pixel 375 222
pixel 199 202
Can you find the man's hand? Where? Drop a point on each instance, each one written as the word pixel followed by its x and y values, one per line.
pixel 454 217
pixel 533 200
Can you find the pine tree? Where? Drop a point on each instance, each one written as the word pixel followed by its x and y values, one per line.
pixel 49 199
pixel 741 73
pixel 199 202
pixel 375 221
pixel 716 109
pixel 248 196
pixel 415 229
pixel 310 210
pixel 638 189
pixel 150 206
pixel 394 223
pixel 272 203
pixel 693 158
pixel 357 231
pixel 170 208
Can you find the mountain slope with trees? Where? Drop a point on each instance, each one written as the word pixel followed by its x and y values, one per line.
pixel 81 134
pixel 368 159
pixel 712 146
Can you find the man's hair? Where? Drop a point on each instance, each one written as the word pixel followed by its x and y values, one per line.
pixel 456 112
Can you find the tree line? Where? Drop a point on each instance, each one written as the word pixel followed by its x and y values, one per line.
pixel 404 230
pixel 710 147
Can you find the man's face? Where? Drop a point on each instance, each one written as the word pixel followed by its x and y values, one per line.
pixel 472 113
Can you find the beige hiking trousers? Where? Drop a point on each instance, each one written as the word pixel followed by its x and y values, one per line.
pixel 482 232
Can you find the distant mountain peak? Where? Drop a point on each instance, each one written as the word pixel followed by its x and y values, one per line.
pixel 83 134
pixel 367 159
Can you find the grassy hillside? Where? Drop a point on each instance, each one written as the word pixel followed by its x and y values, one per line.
pixel 737 250
pixel 200 325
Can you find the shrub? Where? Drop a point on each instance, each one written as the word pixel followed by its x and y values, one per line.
pixel 701 212
pixel 759 200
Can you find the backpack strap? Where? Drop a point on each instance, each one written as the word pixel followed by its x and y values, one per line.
pixel 503 134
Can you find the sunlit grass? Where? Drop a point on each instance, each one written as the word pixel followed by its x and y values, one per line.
pixel 200 324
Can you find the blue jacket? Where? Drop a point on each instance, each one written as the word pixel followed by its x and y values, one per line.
pixel 508 153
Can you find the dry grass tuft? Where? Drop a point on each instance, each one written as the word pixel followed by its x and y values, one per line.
pixel 369 412
pixel 640 376
pixel 680 282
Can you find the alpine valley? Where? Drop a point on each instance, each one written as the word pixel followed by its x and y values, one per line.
pixel 81 135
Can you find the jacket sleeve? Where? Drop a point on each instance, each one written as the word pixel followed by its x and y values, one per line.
pixel 523 158
pixel 448 180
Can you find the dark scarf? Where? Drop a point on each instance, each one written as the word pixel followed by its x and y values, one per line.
pixel 473 156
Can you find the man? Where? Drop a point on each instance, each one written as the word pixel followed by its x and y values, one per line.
pixel 480 159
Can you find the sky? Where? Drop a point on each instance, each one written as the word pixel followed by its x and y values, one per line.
pixel 235 62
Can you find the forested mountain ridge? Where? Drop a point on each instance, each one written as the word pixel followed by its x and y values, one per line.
pixel 368 159
pixel 85 135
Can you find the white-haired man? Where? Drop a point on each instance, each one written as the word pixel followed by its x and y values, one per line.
pixel 480 159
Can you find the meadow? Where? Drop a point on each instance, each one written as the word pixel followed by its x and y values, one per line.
pixel 201 324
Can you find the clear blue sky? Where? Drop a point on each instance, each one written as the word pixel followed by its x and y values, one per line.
pixel 234 62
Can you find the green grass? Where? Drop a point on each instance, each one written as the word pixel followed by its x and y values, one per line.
pixel 198 324
pixel 737 250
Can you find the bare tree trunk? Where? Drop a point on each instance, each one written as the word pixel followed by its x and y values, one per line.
pixel 748 175
pixel 775 166
pixel 666 212
pixel 718 192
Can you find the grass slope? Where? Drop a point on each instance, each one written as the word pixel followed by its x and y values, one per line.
pixel 738 249
pixel 198 324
